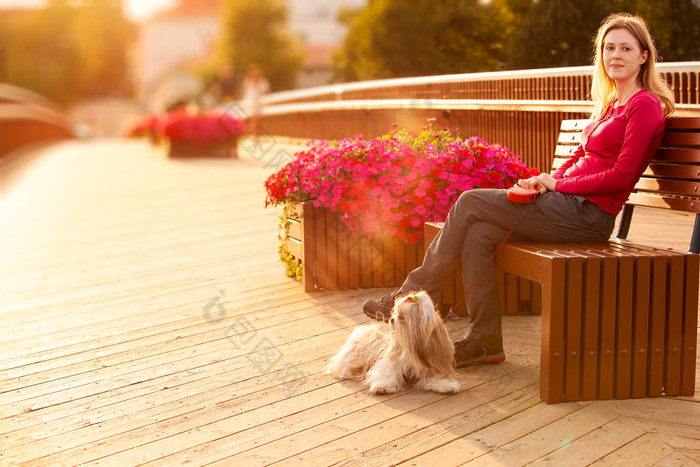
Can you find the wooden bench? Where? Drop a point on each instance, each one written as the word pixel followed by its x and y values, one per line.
pixel 619 320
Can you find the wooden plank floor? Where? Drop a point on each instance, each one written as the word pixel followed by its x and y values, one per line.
pixel 146 320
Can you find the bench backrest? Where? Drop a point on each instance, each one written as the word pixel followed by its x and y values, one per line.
pixel 672 180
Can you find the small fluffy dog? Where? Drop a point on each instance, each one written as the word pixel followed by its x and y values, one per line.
pixel 414 349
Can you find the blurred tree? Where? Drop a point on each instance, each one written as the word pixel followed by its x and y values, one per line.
pixel 67 50
pixel 558 33
pixel 42 56
pixel 509 17
pixel 107 36
pixel 255 31
pixel 390 38
pixel 675 25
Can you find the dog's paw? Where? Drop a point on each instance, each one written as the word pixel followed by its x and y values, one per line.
pixel 331 370
pixel 382 389
pixel 339 375
pixel 446 386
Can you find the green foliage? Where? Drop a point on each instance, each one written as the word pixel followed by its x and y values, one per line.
pixel 561 32
pixel 399 38
pixel 255 31
pixel 292 265
pixel 509 17
pixel 558 33
pixel 394 38
pixel 675 25
pixel 66 52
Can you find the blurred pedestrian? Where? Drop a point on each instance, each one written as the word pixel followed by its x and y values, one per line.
pixel 255 86
pixel 227 84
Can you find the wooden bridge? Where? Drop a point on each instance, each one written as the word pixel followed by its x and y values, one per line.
pixel 146 320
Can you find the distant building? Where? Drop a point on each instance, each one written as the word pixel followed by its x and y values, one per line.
pixel 315 22
pixel 172 42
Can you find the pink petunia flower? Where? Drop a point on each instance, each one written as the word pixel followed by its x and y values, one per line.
pixel 394 183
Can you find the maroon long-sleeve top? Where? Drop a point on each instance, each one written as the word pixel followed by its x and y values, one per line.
pixel 614 152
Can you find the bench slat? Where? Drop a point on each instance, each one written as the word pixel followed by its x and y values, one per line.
pixel 572 357
pixel 564 151
pixel 640 342
pixel 606 365
pixel 680 139
pixel 683 123
pixel 663 185
pixel 552 341
pixel 590 329
pixel 573 125
pixel 674 327
pixel 678 155
pixel 664 202
pixel 569 138
pixel 657 327
pixel 656 169
pixel 623 336
pixel 690 299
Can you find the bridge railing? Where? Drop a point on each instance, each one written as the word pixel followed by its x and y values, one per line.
pixel 27 118
pixel 519 109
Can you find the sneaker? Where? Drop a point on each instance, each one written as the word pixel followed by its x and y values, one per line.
pixel 380 310
pixel 469 353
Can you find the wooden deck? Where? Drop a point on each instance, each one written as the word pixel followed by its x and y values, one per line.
pixel 146 320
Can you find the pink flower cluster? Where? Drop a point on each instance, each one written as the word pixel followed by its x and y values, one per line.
pixel 199 128
pixel 395 183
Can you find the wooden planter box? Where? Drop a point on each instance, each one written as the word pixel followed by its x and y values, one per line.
pixel 334 258
pixel 220 149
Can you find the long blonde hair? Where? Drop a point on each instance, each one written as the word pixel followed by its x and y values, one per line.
pixel 603 90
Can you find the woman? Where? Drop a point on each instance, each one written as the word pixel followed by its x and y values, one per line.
pixel 578 203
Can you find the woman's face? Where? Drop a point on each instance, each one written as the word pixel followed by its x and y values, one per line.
pixel 622 55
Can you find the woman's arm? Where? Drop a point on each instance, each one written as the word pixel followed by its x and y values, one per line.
pixel 641 132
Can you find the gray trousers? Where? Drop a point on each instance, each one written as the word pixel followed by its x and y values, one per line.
pixel 477 223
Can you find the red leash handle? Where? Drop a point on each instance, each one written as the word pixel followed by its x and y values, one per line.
pixel 518 194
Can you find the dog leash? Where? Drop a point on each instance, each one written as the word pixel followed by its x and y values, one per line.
pixel 500 245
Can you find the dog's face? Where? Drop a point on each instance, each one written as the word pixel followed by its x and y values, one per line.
pixel 418 330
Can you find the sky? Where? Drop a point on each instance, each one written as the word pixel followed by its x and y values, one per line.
pixel 139 9
pixel 135 10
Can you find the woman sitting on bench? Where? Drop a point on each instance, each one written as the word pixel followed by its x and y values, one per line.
pixel 578 203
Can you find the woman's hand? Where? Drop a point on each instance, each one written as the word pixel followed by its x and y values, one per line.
pixel 543 183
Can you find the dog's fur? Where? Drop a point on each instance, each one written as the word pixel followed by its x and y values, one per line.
pixel 413 349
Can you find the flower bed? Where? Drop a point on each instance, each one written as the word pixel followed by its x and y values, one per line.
pixel 388 187
pixel 212 134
